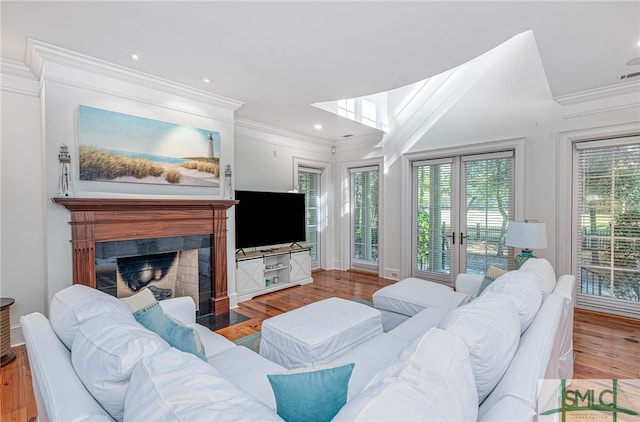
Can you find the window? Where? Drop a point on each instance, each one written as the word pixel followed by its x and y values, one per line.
pixel 607 222
pixel 346 108
pixel 369 113
pixel 309 183
pixel 364 217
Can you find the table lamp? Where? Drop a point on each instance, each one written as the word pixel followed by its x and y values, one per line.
pixel 527 235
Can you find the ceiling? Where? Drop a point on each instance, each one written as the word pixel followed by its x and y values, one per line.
pixel 280 57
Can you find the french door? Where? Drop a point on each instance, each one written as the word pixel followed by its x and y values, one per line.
pixel 461 206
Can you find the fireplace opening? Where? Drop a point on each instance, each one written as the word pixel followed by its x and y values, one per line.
pixel 168 267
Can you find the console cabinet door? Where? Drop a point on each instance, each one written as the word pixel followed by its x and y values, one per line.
pixel 300 266
pixel 250 275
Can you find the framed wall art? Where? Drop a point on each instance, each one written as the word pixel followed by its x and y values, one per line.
pixel 117 147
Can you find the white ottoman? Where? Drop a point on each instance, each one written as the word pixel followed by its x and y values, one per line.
pixel 317 333
pixel 404 299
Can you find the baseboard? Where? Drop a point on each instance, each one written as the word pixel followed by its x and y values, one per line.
pixel 17 338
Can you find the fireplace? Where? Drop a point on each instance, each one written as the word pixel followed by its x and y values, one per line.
pixel 174 247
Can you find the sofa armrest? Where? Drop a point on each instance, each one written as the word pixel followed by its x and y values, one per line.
pixel 181 308
pixel 468 283
pixel 59 393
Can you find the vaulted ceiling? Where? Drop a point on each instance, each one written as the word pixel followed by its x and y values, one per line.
pixel 280 57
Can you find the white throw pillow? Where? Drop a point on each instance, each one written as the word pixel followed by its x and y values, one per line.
pixel 77 303
pixel 546 275
pixel 178 386
pixel 436 382
pixel 522 288
pixel 491 328
pixel 105 351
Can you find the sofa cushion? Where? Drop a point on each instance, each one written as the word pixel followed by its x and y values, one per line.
pixel 546 276
pixel 434 381
pixel 178 386
pixel 311 394
pixel 522 288
pixel 248 370
pixel 105 351
pixel 75 304
pixel 491 329
pixel 148 312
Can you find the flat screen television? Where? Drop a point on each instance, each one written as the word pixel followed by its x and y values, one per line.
pixel 269 218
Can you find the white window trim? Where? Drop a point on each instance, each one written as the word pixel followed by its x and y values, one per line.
pixel 346 213
pixel 516 144
pixel 326 202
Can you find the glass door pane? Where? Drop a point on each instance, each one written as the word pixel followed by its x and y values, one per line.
pixel 432 229
pixel 489 206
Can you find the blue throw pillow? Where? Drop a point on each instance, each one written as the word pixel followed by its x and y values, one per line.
pixel 490 276
pixel 148 312
pixel 311 394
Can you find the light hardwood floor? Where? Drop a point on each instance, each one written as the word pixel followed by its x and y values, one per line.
pixel 606 346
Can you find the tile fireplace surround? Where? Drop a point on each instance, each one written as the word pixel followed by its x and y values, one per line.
pixel 95 220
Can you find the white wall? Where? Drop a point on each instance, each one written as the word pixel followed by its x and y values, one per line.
pixel 22 256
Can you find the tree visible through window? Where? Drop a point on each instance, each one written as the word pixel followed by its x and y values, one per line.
pixel 608 219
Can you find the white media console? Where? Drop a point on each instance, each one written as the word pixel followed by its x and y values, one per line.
pixel 262 272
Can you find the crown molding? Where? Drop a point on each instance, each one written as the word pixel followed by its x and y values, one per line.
pixel 39 53
pixel 17 78
pixel 279 131
pixel 599 93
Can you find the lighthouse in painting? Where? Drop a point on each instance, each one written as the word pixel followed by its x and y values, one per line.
pixel 210 146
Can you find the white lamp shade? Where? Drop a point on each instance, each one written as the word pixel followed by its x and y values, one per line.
pixel 526 235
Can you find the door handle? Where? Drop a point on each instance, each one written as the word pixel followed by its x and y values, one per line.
pixel 462 237
pixel 453 238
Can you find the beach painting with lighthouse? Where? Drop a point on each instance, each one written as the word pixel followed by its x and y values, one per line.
pixel 117 147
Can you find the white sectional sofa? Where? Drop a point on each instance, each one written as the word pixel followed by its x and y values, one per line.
pixel 92 361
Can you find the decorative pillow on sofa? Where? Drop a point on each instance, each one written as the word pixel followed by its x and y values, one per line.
pixel 176 386
pixel 148 312
pixel 311 394
pixel 105 351
pixel 523 290
pixel 491 275
pixel 77 303
pixel 434 382
pixel 545 274
pixel 490 327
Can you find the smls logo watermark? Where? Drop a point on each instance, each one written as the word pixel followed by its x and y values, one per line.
pixel 613 400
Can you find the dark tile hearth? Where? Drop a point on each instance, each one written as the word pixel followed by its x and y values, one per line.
pixel 217 322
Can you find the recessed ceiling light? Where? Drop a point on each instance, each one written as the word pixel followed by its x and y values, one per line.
pixel 134 56
pixel 206 80
pixel 317 126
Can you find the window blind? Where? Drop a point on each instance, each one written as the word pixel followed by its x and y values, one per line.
pixel 489 206
pixel 309 183
pixel 364 213
pixel 431 221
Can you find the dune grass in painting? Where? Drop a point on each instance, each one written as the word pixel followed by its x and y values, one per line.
pixel 98 164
